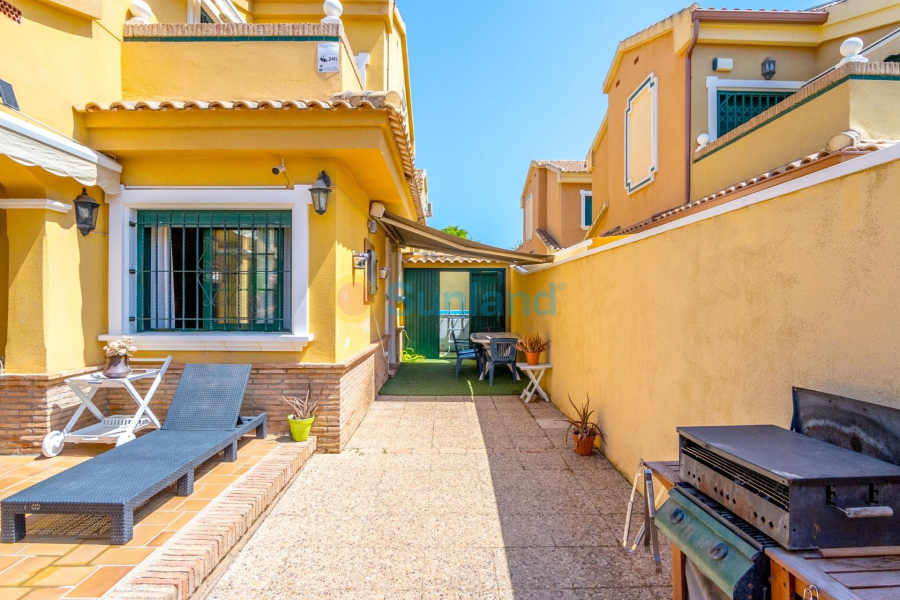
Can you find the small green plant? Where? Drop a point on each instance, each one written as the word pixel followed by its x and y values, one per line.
pixel 304 408
pixel 532 343
pixel 582 426
pixel 409 353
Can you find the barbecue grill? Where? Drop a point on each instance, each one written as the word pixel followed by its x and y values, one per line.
pixel 803 492
pixel 832 481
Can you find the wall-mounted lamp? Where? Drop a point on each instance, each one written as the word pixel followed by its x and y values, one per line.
pixel 359 260
pixel 86 211
pixel 383 272
pixel 373 226
pixel 768 68
pixel 321 190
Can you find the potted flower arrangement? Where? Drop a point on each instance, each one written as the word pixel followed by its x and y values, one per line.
pixel 117 354
pixel 532 346
pixel 302 416
pixel 584 431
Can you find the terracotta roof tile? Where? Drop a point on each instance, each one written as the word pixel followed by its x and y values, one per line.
pixel 389 102
pixel 567 166
pixel 548 240
pixel 861 146
pixel 422 258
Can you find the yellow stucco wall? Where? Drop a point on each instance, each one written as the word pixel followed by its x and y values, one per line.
pixel 714 322
pixel 667 190
pixel 75 56
pixel 536 186
pixel 230 71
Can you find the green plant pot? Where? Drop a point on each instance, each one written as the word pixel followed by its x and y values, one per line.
pixel 300 428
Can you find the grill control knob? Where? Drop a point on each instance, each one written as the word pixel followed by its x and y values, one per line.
pixel 676 516
pixel 718 552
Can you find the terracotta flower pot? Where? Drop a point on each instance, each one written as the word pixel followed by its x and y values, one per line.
pixel 117 367
pixel 533 358
pixel 584 446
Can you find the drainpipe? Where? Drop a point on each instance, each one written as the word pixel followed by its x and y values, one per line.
pixel 688 81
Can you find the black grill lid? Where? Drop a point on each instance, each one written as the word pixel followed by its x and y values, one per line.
pixel 794 458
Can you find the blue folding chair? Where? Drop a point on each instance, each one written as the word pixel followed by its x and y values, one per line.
pixel 465 350
pixel 502 352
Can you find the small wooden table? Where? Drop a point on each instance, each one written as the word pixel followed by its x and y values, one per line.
pixel 837 574
pixel 535 373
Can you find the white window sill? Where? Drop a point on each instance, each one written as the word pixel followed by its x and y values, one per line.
pixel 217 341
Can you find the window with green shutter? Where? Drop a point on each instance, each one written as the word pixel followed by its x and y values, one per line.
pixel 736 108
pixel 207 270
pixel 587 201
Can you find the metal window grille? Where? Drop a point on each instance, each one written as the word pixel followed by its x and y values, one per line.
pixel 213 270
pixel 736 108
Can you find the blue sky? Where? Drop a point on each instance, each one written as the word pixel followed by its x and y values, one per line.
pixel 498 83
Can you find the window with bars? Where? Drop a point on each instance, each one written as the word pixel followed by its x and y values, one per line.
pixel 201 270
pixel 736 108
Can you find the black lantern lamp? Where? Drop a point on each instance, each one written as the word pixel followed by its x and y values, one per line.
pixel 86 211
pixel 321 190
pixel 768 68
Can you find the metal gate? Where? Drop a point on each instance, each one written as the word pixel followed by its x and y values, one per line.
pixel 487 300
pixel 423 306
pixel 487 296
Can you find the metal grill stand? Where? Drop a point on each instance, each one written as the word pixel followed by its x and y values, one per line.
pixel 112 429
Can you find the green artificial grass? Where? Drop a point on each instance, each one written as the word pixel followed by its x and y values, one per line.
pixel 435 377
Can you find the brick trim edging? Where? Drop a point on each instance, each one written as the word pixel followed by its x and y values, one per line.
pixel 183 564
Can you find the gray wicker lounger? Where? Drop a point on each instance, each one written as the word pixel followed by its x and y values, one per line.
pixel 203 420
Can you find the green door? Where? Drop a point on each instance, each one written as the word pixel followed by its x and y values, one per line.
pixel 487 296
pixel 423 311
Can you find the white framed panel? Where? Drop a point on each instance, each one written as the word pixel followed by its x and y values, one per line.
pixel 528 210
pixel 642 135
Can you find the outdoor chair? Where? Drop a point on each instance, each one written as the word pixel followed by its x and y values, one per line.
pixel 203 420
pixel 502 352
pixel 466 350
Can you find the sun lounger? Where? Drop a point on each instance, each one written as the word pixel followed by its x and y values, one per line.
pixel 203 419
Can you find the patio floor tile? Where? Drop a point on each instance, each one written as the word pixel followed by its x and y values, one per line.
pixel 477 501
pixel 99 582
pixel 70 555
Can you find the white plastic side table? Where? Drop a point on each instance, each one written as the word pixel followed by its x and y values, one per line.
pixel 535 373
pixel 113 429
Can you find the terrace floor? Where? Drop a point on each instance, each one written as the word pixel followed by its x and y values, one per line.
pixel 70 556
pixel 449 497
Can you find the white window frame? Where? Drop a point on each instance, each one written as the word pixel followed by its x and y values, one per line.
pixel 122 296
pixel 715 84
pixel 528 210
pixel 585 194
pixel 653 81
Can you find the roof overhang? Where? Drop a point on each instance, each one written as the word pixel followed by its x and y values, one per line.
pixel 415 235
pixel 367 131
pixel 33 146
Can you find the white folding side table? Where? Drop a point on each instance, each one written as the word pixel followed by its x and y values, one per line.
pixel 535 373
pixel 113 429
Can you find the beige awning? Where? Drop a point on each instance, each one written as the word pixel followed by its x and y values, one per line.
pixel 33 146
pixel 415 235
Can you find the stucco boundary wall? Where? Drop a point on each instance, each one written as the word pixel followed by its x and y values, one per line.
pixel 712 319
pixel 33 405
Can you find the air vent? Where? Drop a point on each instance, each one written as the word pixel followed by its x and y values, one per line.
pixel 773 491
